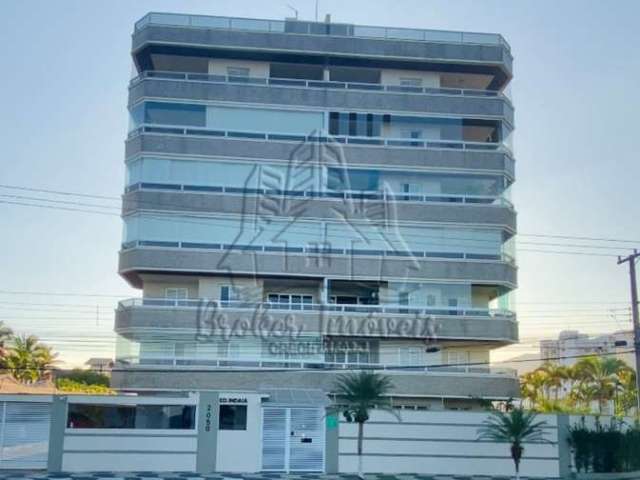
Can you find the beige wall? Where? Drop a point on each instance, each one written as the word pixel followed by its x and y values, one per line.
pixel 154 286
pixel 249 289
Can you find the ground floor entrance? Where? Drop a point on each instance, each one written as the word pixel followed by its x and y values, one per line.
pixel 293 439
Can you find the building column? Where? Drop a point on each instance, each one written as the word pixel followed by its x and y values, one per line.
pixel 57 425
pixel 331 447
pixel 564 450
pixel 207 446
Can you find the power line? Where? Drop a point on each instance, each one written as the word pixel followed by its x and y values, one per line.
pixel 421 236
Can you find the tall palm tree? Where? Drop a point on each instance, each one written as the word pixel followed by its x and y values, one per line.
pixel 554 376
pixel 357 394
pixel 28 360
pixel 515 427
pixel 599 377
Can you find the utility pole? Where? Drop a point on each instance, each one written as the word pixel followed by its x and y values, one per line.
pixel 631 259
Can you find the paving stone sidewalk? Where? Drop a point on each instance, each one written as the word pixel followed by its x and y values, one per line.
pixel 41 475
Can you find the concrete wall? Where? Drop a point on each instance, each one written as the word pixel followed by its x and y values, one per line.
pixel 441 443
pixel 241 450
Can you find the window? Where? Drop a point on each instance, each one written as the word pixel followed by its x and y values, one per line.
pixel 176 293
pixel 410 81
pixel 457 357
pixel 228 294
pixel 238 71
pixel 350 351
pixel 411 188
pixel 173 417
pixel 233 417
pixel 290 301
pixel 175 114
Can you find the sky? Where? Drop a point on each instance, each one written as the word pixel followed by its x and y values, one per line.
pixel 63 87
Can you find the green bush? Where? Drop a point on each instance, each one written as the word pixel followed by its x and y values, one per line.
pixel 86 376
pixel 71 386
pixel 605 449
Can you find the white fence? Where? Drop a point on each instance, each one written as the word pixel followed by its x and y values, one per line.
pixel 426 442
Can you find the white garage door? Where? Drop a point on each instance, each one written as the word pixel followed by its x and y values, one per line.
pixel 24 435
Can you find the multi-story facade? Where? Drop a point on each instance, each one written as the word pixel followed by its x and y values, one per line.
pixel 345 185
pixel 571 345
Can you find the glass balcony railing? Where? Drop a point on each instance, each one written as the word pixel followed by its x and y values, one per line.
pixel 347 140
pixel 325 252
pixel 291 82
pixel 330 195
pixel 214 364
pixel 319 28
pixel 198 303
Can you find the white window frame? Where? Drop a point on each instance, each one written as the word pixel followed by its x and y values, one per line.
pixel 176 293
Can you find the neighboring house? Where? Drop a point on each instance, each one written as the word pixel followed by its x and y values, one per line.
pixel 344 189
pixel 100 364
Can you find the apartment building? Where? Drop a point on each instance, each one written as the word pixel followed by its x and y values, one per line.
pixel 305 198
pixel 571 345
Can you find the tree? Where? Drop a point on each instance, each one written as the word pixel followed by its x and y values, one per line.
pixel 5 335
pixel 356 395
pixel 515 427
pixel 554 376
pixel 28 360
pixel 599 378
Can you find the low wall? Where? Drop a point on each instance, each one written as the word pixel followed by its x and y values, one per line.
pixel 128 449
pixel 137 450
pixel 445 443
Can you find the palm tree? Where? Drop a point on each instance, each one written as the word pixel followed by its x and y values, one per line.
pixel 532 387
pixel 515 427
pixel 554 376
pixel 356 395
pixel 5 335
pixel 28 360
pixel 599 378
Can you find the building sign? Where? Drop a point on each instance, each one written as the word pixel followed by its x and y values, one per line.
pixel 233 400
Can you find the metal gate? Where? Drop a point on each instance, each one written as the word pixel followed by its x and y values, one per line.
pixel 293 439
pixel 24 434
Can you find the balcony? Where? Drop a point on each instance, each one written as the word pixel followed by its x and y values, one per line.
pixel 328 38
pixel 203 316
pixel 298 138
pixel 318 28
pixel 315 93
pixel 354 154
pixel 493 385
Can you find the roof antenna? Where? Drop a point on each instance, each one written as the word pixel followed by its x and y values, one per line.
pixel 295 10
pixel 316 10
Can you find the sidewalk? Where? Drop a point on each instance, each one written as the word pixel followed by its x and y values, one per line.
pixel 25 475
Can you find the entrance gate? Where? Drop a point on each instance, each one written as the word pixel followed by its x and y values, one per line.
pixel 293 439
pixel 24 434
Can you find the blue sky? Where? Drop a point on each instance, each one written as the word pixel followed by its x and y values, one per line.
pixel 66 65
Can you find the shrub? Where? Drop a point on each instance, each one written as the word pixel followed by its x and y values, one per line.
pixel 605 449
pixel 71 386
pixel 86 376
